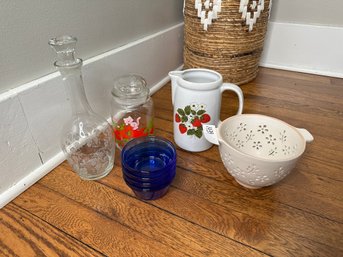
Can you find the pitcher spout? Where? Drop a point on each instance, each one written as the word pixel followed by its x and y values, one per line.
pixel 173 76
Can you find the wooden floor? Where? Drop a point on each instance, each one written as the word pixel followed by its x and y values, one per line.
pixel 205 213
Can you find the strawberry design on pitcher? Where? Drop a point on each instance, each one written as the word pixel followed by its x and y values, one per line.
pixel 191 119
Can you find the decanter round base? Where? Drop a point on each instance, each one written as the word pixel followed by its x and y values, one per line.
pixel 98 176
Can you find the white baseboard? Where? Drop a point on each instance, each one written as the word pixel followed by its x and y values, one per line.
pixel 304 48
pixel 31 178
pixel 32 114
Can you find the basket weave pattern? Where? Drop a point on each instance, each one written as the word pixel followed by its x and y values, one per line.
pixel 227 46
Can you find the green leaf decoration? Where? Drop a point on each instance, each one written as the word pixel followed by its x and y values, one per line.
pixel 198 133
pixel 188 110
pixel 120 126
pixel 193 112
pixel 181 112
pixel 184 119
pixel 200 112
pixel 191 132
pixel 150 124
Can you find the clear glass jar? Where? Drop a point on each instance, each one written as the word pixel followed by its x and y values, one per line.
pixel 132 109
pixel 87 139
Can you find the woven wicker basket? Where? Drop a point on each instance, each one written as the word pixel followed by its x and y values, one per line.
pixel 227 45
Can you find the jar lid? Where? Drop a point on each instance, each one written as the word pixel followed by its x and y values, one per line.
pixel 130 90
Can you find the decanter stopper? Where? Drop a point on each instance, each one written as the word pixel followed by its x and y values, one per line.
pixel 64 47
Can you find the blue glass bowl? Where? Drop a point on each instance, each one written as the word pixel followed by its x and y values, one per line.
pixel 149 165
pixel 156 179
pixel 149 185
pixel 148 157
pixel 146 194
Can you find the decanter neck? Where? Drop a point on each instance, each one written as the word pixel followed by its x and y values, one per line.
pixel 73 82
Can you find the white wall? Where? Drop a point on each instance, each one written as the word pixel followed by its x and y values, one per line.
pixel 318 12
pixel 100 25
pixel 305 36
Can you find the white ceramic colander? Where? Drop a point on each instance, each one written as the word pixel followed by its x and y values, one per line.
pixel 258 150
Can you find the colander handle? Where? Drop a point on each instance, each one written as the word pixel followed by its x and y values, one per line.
pixel 307 135
pixel 210 133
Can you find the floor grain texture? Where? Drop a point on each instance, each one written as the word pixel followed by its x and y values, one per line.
pixel 205 212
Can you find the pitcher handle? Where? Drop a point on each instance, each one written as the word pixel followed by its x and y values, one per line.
pixel 238 91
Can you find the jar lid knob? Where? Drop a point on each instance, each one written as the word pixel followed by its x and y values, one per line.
pixel 130 89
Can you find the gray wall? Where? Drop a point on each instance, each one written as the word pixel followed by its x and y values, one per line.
pixel 320 12
pixel 100 25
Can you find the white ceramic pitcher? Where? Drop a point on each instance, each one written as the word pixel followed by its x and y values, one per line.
pixel 196 97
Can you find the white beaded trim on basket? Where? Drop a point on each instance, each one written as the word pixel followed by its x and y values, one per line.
pixel 208 11
pixel 251 17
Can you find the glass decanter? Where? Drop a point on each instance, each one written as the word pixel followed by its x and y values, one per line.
pixel 132 109
pixel 87 139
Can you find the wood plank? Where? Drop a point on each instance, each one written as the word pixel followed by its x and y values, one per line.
pixel 205 212
pixel 23 234
pixel 292 190
pixel 245 228
pixel 327 208
pixel 89 226
pixel 299 87
pixel 157 224
pixel 327 138
pixel 276 104
pixel 282 74
pixel 321 199
pixel 336 81
pixel 265 206
pixel 329 158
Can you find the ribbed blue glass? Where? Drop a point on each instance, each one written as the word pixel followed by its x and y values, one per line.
pixel 149 166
